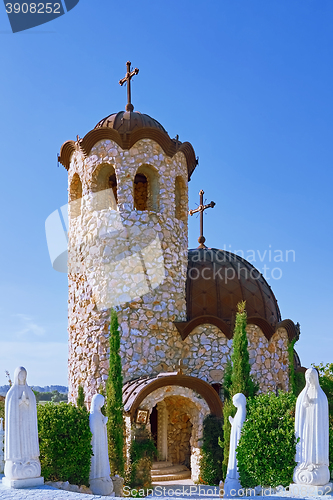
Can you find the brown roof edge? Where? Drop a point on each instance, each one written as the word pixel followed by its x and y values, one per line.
pixel 186 327
pixel 290 327
pixel 126 141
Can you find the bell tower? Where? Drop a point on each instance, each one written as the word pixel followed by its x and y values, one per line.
pixel 128 245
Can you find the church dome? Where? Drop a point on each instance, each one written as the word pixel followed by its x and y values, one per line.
pixel 129 121
pixel 216 281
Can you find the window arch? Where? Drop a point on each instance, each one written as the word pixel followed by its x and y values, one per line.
pixel 75 196
pixel 104 186
pixel 146 188
pixel 180 199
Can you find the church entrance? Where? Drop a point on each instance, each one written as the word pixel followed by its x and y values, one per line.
pixel 176 406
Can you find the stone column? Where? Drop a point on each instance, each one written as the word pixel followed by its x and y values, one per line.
pixel 162 430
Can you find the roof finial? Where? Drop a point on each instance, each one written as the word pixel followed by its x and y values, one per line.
pixel 201 209
pixel 128 78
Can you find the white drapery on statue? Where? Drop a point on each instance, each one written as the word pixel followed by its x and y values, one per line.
pixel 232 484
pixel 22 466
pixel 312 429
pixel 100 481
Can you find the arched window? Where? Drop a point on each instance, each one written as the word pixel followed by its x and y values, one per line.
pixel 180 199
pixel 75 196
pixel 146 189
pixel 104 185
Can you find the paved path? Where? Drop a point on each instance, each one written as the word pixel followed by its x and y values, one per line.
pixel 185 491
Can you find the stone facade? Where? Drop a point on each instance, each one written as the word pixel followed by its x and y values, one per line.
pixel 128 249
pixel 136 261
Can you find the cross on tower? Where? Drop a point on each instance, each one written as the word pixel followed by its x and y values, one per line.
pixel 201 209
pixel 127 79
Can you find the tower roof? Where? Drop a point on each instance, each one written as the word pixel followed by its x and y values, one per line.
pixel 128 121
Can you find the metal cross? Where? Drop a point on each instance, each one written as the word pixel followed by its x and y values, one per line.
pixel 201 209
pixel 127 79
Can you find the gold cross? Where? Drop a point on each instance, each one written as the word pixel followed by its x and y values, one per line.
pixel 201 209
pixel 127 79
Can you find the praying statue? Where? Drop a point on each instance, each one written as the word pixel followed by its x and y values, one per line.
pixel 232 479
pixel 100 481
pixel 311 427
pixel 22 466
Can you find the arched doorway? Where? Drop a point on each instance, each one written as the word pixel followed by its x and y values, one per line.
pixel 176 405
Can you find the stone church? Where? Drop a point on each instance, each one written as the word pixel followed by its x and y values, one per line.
pixel 128 249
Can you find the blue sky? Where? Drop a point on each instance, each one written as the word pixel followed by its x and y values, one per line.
pixel 247 82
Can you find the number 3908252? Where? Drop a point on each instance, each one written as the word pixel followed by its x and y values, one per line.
pixel 33 8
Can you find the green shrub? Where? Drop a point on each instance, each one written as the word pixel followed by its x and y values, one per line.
pixel 2 410
pixel 331 446
pixel 212 453
pixel 64 442
pixel 267 446
pixel 142 453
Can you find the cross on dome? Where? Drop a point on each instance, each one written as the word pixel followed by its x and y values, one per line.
pixel 201 208
pixel 127 79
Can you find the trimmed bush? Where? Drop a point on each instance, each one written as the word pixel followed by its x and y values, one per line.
pixel 212 453
pixel 64 443
pixel 267 446
pixel 142 453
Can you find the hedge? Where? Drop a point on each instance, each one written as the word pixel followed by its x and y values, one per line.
pixel 64 443
pixel 267 446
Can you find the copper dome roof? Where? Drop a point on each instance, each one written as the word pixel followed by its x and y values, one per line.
pixel 128 121
pixel 216 281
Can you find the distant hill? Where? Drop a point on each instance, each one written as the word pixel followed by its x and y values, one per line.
pixel 48 388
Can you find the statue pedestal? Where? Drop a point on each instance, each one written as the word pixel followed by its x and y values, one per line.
pixel 102 486
pixel 305 490
pixel 231 488
pixel 29 482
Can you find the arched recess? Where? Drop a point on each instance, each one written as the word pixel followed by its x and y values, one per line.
pixel 104 182
pixel 146 189
pixel 180 199
pixel 75 196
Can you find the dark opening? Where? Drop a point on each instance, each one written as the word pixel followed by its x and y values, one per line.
pixel 113 185
pixel 153 424
pixel 140 192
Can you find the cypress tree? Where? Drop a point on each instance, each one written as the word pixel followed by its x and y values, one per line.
pixel 238 380
pixel 114 402
pixel 80 398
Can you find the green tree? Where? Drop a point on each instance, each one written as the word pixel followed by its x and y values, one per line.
pixel 114 402
pixel 80 398
pixel 238 380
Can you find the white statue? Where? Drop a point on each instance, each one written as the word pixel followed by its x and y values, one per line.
pixel 22 466
pixel 2 463
pixel 232 479
pixel 311 426
pixel 100 481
